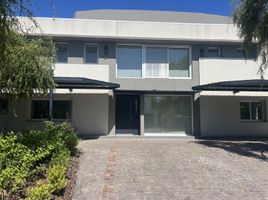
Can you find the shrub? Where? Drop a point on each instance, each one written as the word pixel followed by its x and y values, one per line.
pixel 22 153
pixel 16 160
pixel 40 192
pixel 57 170
pixel 62 133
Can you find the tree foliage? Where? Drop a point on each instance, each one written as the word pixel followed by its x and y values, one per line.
pixel 26 63
pixel 251 18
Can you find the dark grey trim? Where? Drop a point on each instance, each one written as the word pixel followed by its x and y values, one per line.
pixel 83 83
pixel 256 85
pixel 153 92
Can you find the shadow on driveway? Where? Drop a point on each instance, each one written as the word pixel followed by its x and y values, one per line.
pixel 254 149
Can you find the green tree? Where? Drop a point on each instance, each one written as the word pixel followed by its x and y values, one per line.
pixel 26 63
pixel 251 18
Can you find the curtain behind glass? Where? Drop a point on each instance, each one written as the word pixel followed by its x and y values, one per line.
pixel 167 114
pixel 156 62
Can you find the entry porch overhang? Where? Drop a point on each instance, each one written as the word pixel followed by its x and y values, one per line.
pixel 83 83
pixel 255 85
pixel 78 83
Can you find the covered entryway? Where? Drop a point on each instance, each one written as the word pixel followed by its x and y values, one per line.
pixel 234 109
pixel 127 114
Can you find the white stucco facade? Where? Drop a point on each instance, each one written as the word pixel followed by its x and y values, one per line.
pixel 89 114
pixel 213 113
pixel 220 110
pixel 117 29
pixel 220 117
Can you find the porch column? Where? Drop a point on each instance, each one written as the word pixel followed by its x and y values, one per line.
pixel 50 104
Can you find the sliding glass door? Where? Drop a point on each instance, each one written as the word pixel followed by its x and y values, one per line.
pixel 167 115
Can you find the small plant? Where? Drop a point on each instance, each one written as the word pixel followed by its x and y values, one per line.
pixel 16 160
pixel 40 192
pixel 57 171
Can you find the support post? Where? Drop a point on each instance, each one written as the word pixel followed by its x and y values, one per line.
pixel 50 104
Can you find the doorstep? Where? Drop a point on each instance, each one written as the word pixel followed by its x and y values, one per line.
pixel 121 136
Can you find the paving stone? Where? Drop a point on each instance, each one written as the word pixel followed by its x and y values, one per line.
pixel 166 169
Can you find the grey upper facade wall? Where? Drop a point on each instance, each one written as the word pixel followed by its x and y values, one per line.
pixel 153 16
pixel 76 56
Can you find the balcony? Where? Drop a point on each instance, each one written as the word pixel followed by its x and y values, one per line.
pixel 224 69
pixel 91 71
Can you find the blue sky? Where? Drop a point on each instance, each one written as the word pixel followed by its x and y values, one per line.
pixel 66 8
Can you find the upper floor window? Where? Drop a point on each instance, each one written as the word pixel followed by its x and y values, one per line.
pixel 179 62
pixel 252 111
pixel 214 52
pixel 61 109
pixel 129 61
pixel 91 54
pixel 155 62
pixel 62 52
pixel 3 106
pixel 167 62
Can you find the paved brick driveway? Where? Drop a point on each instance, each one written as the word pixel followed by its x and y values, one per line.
pixel 172 169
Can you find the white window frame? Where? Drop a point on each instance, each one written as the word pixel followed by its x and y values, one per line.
pixel 214 48
pixel 84 58
pixel 67 45
pixel 252 120
pixel 116 66
pixel 143 67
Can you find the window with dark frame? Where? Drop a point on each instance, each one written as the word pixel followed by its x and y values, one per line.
pixel 240 53
pixel 40 109
pixel 3 106
pixel 62 52
pixel 62 109
pixel 91 54
pixel 214 52
pixel 252 111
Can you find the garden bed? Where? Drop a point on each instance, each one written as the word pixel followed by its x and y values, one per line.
pixel 71 175
pixel 39 164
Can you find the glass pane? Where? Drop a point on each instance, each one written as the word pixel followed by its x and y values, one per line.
pixel 40 109
pixel 91 54
pixel 244 111
pixel 62 53
pixel 62 109
pixel 167 114
pixel 3 105
pixel 156 62
pixel 179 63
pixel 129 61
pixel 256 111
pixel 240 53
pixel 213 52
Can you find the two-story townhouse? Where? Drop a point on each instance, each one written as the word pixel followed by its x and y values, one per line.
pixel 133 72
